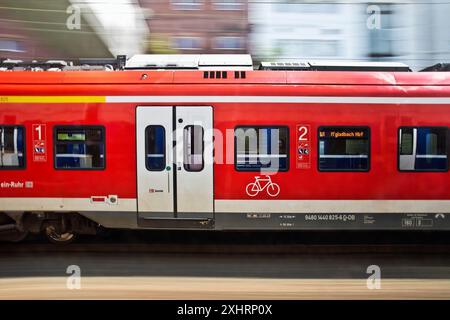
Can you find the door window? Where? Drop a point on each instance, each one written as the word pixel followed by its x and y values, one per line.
pixel 155 148
pixel 193 138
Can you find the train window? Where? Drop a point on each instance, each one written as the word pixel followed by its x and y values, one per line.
pixel 261 148
pixel 12 147
pixel 344 149
pixel 79 147
pixel 406 138
pixel 423 149
pixel 193 138
pixel 155 146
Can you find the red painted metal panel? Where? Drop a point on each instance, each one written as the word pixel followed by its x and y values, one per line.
pixel 117 178
pixel 383 181
pixel 251 77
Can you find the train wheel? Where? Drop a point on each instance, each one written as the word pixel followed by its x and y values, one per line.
pixel 13 235
pixel 56 237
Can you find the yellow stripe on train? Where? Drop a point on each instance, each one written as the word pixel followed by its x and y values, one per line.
pixel 52 99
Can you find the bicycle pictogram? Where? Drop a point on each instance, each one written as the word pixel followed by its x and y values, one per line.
pixel 261 184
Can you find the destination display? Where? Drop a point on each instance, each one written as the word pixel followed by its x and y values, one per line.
pixel 343 133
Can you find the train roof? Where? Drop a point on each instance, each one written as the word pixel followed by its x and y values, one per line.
pixel 216 69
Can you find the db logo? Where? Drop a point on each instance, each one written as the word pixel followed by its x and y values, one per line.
pixel 261 184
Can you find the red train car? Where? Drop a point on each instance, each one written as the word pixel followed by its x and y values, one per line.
pixel 288 147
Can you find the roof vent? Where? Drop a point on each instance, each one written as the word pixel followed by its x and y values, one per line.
pixel 334 66
pixel 191 62
pixel 284 66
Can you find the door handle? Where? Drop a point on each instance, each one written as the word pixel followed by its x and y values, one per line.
pixel 168 178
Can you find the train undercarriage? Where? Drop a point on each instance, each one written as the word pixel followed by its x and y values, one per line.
pixel 58 228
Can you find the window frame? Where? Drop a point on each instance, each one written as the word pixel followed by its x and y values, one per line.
pixel 369 154
pixel 382 40
pixel 24 148
pixel 217 39
pixel 75 127
pixel 447 137
pixel 288 148
pixel 399 146
pixel 187 6
pixel 19 45
pixel 164 146
pixel 224 5
pixel 192 38
pixel 185 165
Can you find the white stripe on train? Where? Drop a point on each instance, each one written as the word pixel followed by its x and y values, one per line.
pixel 277 99
pixel 236 206
pixel 333 206
pixel 65 204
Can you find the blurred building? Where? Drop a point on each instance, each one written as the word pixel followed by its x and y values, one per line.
pixel 197 26
pixel 290 30
pixel 47 29
pixel 16 42
pixel 417 33
pixel 120 24
pixel 414 32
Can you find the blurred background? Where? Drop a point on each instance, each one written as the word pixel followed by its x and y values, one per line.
pixel 414 32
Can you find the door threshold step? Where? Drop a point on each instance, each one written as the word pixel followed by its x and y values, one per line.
pixel 176 223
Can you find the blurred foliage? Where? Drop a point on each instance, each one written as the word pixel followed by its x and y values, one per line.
pixel 160 44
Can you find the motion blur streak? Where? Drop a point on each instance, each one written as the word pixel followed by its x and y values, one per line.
pixel 331 272
pixel 413 32
pixel 219 288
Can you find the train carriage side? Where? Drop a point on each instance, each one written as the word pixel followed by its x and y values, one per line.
pixel 342 164
pixel 316 151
